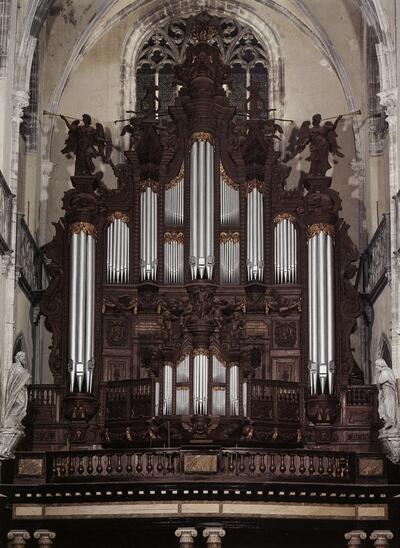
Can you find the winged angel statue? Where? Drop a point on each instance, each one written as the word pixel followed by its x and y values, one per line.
pixel 322 141
pixel 86 142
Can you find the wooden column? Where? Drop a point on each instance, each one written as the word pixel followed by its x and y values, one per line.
pixel 381 538
pixel 354 538
pixel 44 537
pixel 18 537
pixel 186 536
pixel 214 536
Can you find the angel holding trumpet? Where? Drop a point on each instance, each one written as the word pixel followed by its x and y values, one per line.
pixel 322 140
pixel 86 142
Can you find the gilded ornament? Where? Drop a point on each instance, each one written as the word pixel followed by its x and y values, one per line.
pixel 254 184
pixel 317 228
pixel 202 136
pixel 149 183
pixel 81 226
pixel 227 180
pixel 229 237
pixel 173 237
pixel 118 215
pixel 284 216
pixel 176 180
pixel 200 352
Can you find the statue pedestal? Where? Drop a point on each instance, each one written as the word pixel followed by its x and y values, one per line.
pixel 390 442
pixel 9 439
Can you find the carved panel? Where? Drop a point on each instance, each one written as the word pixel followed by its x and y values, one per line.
pixel 285 334
pixel 285 369
pixel 116 369
pixel 116 333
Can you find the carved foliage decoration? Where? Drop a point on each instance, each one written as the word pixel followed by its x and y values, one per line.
pixel 285 334
pixel 117 333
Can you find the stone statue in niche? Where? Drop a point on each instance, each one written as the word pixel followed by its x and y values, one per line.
pixel 15 406
pixel 86 142
pixel 322 141
pixel 388 403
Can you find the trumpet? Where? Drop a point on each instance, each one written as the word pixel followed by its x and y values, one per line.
pixel 355 113
pixel 47 113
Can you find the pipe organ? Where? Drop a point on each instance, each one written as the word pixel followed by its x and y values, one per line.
pixel 222 304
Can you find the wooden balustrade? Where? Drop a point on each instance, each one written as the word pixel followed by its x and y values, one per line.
pixel 158 464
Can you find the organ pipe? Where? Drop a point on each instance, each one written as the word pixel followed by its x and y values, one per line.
pixel 174 200
pixel 167 389
pixel 321 308
pixel 230 257
pixel 81 307
pixel 148 230
pixel 285 249
pixel 234 390
pixel 200 382
pixel 118 248
pixel 173 257
pixel 255 231
pixel 229 199
pixel 201 206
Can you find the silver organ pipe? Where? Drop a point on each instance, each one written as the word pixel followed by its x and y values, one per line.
pixel 156 398
pixel 218 403
pixel 230 257
pixel 234 390
pixel 255 231
pixel 118 248
pixel 285 249
pixel 148 230
pixel 321 308
pixel 167 389
pixel 182 392
pixel 202 207
pixel 81 306
pixel 173 257
pixel 244 398
pixel 229 199
pixel 200 382
pixel 174 200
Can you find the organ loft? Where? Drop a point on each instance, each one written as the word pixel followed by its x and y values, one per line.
pixel 201 311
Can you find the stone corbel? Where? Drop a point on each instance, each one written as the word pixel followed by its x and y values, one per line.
pixel 354 538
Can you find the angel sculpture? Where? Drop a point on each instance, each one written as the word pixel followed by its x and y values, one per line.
pixel 86 142
pixel 322 141
pixel 133 130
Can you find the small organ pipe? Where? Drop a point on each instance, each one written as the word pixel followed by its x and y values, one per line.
pixel 73 268
pixel 81 310
pixel 118 249
pixel 285 249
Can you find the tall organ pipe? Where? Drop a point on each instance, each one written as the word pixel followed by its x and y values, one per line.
pixel 202 207
pixel 321 308
pixel 167 389
pixel 229 257
pixel 200 383
pixel 255 232
pixel 148 230
pixel 118 248
pixel 81 307
pixel 173 257
pixel 285 249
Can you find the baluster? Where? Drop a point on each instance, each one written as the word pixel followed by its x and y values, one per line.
pixel 129 467
pixel 320 465
pixel 170 465
pixel 311 467
pixel 292 467
pixel 71 466
pixel 109 466
pixel 119 464
pixel 99 467
pixel 242 466
pixel 160 466
pixel 252 466
pixel 149 465
pixel 338 471
pixel 80 466
pixel 272 466
pixel 63 467
pixel 55 467
pixel 282 466
pixel 89 467
pixel 231 465
pixel 263 468
pixel 346 468
pixel 329 469
pixel 302 467
pixel 139 466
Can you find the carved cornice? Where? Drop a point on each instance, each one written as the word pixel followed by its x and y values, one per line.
pixel 149 183
pixel 229 237
pixel 173 237
pixel 284 216
pixel 254 184
pixel 317 228
pixel 118 215
pixel 202 136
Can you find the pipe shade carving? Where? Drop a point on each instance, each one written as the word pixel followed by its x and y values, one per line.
pixel 118 249
pixel 285 250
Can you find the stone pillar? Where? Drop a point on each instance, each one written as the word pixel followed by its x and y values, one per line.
pixel 354 538
pixel 186 536
pixel 381 538
pixel 44 537
pixel 214 536
pixel 18 537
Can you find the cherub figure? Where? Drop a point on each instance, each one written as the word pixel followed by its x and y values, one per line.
pixel 132 130
pixel 86 142
pixel 322 141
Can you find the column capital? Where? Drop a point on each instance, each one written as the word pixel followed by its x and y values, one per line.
pixel 18 537
pixel 20 100
pixel 381 537
pixel 186 534
pixel 355 537
pixel 214 534
pixel 45 537
pixel 388 99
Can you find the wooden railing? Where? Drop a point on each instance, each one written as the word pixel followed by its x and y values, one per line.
pixel 160 464
pixel 124 400
pixel 276 401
